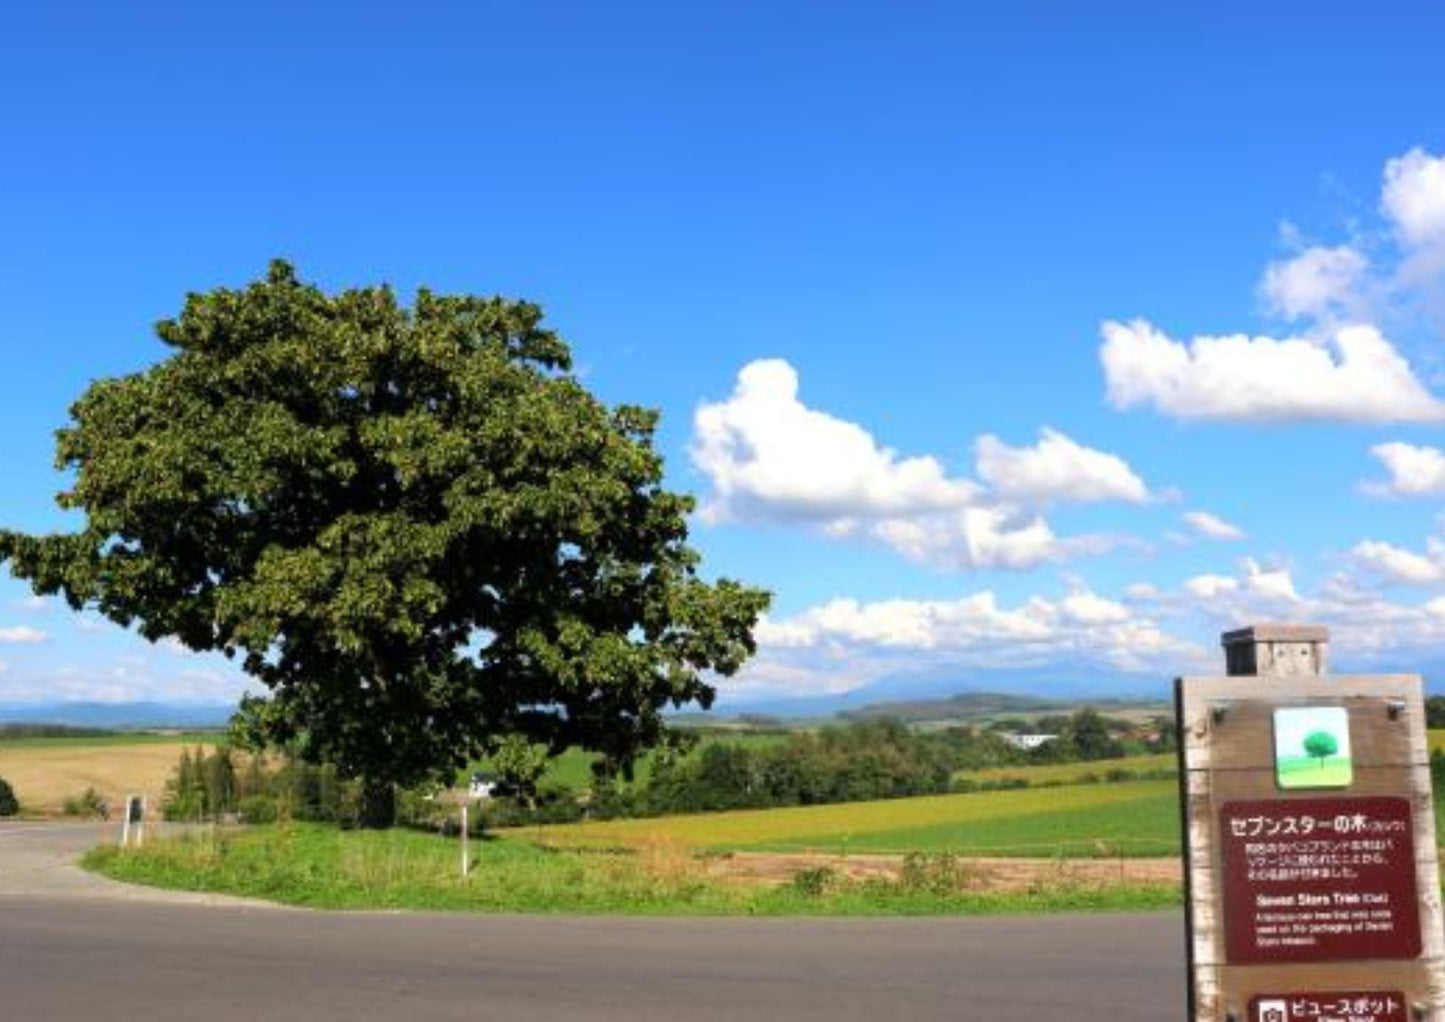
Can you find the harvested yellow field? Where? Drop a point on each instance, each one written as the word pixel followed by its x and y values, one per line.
pixel 44 776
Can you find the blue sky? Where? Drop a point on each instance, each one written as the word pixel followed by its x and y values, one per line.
pixel 1049 336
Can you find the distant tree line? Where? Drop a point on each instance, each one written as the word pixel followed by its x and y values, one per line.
pixel 858 761
pixel 25 730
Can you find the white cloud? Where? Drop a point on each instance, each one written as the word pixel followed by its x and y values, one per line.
pixel 1209 587
pixel 1211 526
pixel 1275 585
pixel 767 453
pixel 802 653
pixel 1413 198
pixel 1143 591
pixel 1414 471
pixel 1056 468
pixel 1318 283
pixel 976 537
pixel 1089 608
pixel 21 634
pixel 1358 377
pixel 1402 566
pixel 772 458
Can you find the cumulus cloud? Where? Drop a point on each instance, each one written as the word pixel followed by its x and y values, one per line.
pixel 21 634
pixel 1403 567
pixel 1056 469
pixel 1318 283
pixel 1414 471
pixel 1211 526
pixel 1357 377
pixel 1413 198
pixel 1274 585
pixel 766 452
pixel 770 457
pixel 1208 587
pixel 874 639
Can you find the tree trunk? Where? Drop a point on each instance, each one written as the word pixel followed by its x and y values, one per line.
pixel 376 804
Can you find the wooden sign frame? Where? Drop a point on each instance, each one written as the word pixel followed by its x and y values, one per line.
pixel 1227 758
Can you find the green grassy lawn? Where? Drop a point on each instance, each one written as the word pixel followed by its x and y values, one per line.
pixel 322 867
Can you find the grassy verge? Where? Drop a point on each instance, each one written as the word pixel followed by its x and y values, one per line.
pixel 322 867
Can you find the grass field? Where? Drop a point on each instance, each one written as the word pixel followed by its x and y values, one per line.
pixel 45 772
pixel 1128 818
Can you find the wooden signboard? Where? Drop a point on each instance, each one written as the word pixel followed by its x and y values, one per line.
pixel 1310 864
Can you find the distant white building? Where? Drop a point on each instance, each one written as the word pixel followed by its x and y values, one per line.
pixel 1027 742
pixel 482 786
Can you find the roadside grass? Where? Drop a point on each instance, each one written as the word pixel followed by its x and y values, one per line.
pixel 1130 818
pixel 322 867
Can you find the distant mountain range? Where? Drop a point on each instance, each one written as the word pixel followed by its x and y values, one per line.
pixel 1082 684
pixel 1023 690
pixel 119 716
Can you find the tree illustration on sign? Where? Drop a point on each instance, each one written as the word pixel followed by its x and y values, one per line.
pixel 1321 745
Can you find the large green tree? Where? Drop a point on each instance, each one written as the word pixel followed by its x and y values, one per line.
pixel 413 525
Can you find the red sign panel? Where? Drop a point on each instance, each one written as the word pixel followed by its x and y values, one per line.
pixel 1335 1006
pixel 1319 879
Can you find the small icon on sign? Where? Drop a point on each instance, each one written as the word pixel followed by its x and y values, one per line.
pixel 1271 1011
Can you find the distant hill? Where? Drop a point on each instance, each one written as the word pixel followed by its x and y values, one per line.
pixel 118 716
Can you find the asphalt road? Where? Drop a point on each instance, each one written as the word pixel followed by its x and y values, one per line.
pixel 113 953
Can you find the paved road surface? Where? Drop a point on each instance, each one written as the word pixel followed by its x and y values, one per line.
pixel 101 953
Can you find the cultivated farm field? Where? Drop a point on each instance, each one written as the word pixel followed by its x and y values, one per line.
pixel 1132 818
pixel 46 771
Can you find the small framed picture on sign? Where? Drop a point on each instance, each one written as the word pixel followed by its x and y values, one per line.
pixel 1312 747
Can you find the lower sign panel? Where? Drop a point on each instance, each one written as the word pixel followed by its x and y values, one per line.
pixel 1314 880
pixel 1342 1006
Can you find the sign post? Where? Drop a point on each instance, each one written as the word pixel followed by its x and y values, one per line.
pixel 1311 882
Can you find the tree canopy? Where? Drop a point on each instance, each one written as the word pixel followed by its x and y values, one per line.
pixel 412 525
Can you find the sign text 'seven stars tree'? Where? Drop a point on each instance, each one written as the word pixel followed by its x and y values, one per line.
pixel 411 524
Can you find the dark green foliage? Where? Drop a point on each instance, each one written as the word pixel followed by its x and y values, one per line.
pixel 1435 712
pixel 866 760
pixel 410 524
pixel 1321 745
pixel 9 804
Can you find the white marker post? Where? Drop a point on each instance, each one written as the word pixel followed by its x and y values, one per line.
pixel 465 863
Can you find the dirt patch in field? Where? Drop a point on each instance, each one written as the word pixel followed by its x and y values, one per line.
pixel 978 874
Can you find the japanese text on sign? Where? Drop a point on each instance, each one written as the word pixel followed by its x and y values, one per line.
pixel 1319 880
pixel 1352 1006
